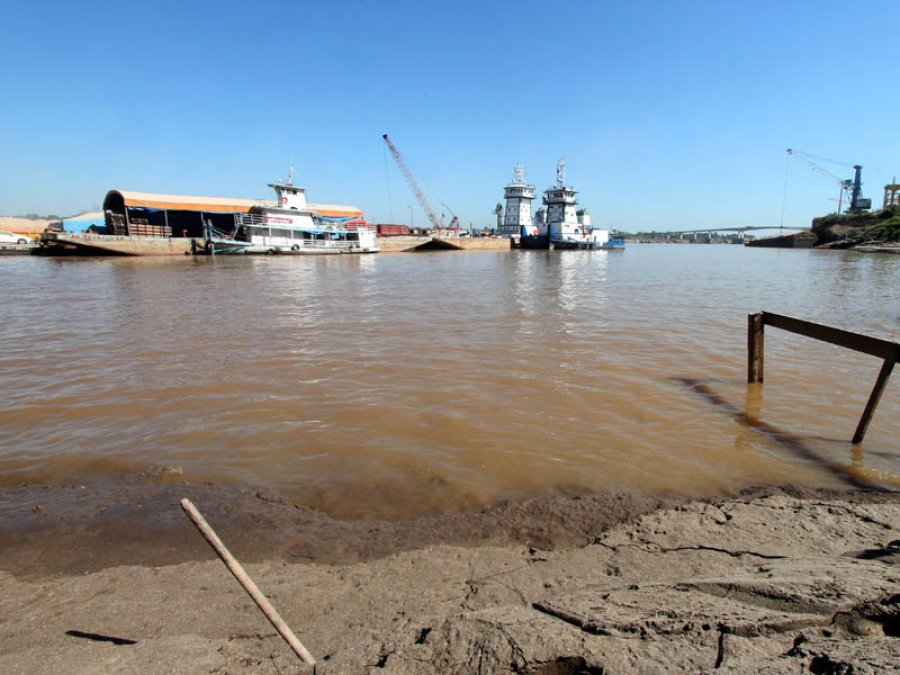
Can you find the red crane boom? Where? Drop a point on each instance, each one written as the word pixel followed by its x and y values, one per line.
pixel 413 185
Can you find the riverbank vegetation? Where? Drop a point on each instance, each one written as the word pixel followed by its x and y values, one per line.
pixel 858 228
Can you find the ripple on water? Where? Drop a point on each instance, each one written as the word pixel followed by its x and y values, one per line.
pixel 403 384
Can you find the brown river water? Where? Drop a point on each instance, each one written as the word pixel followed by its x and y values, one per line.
pixel 397 385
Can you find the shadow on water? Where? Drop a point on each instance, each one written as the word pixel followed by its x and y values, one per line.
pixel 749 418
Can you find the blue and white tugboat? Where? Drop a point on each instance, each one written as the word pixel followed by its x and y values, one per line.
pixel 517 220
pixel 568 227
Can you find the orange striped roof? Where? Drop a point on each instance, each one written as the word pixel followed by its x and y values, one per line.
pixel 186 203
pixel 336 210
pixel 221 204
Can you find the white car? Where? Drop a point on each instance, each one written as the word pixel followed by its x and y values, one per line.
pixel 10 238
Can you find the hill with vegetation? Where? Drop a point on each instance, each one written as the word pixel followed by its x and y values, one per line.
pixel 852 229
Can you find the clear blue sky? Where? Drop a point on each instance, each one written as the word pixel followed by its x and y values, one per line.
pixel 670 115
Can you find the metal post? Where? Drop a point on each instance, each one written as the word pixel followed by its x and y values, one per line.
pixel 755 347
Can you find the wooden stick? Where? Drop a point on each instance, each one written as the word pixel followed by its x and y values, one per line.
pixel 244 579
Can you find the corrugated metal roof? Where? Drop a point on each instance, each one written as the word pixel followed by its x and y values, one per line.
pixel 185 202
pixel 335 210
pixel 219 204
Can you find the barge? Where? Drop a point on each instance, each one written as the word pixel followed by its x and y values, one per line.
pixel 146 224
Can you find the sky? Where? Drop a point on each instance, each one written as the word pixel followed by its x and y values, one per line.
pixel 670 115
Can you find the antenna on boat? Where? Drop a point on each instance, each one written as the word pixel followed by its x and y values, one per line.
pixel 561 173
pixel 290 180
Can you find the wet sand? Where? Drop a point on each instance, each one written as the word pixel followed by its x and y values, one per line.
pixel 776 579
pixel 80 529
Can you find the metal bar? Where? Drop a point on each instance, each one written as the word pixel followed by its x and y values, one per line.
pixel 874 397
pixel 860 343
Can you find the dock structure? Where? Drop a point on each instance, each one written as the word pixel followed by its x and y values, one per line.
pixel 883 349
pixel 410 243
pixel 16 249
pixel 63 243
pixel 891 195
pixel 473 243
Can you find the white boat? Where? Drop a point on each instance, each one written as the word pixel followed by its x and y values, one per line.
pixel 292 226
pixel 568 227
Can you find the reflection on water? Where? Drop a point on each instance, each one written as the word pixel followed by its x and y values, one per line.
pixel 404 384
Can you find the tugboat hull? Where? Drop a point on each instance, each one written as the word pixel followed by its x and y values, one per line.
pixel 535 242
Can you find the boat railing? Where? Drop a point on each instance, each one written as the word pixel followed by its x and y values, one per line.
pixel 259 220
pixel 248 219
pixel 318 245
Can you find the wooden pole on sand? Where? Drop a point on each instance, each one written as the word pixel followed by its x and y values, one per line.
pixel 244 580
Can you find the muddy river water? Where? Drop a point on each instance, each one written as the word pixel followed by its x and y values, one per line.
pixel 396 385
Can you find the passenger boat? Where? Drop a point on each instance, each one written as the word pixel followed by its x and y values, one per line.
pixel 291 226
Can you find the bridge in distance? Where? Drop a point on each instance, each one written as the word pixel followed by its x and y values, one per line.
pixel 733 234
pixel 736 229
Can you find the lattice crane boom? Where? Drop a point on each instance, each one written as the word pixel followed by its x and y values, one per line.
pixel 411 181
pixel 846 186
pixel 815 167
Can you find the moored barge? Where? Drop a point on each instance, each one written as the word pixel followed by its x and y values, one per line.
pixel 147 224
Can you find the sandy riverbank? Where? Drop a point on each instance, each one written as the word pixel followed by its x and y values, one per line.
pixel 776 580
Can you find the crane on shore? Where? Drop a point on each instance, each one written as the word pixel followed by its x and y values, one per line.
pixel 413 185
pixel 852 188
pixel 454 222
